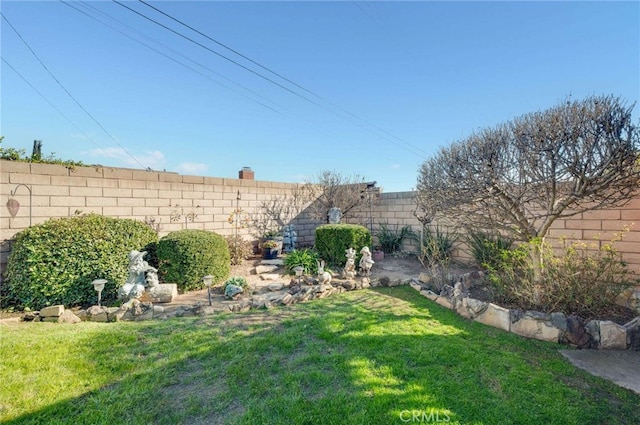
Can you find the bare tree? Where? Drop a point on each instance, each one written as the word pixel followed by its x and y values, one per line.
pixel 347 193
pixel 521 176
pixel 280 210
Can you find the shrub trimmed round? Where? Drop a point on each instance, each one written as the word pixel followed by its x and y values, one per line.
pixel 333 239
pixel 185 256
pixel 55 262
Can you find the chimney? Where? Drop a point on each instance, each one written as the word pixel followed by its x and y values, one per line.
pixel 246 173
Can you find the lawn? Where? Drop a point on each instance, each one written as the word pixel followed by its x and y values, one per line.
pixel 384 356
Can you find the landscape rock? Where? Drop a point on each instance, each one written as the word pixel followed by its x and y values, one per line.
pixel 52 311
pixel 495 316
pixel 68 316
pixel 261 269
pixel 415 285
pixel 31 317
pixel 576 333
pixel 429 294
pixel 536 325
pixel 348 285
pixel 612 335
pixel 424 278
pixel 633 334
pixel 162 293
pixel 270 276
pixel 470 307
pixel 444 302
pixel 97 314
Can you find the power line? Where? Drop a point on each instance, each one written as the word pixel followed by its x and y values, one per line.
pixel 169 57
pixel 217 53
pixel 59 111
pixel 292 82
pixel 185 65
pixel 366 127
pixel 67 91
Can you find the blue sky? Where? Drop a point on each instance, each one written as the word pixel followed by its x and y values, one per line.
pixel 372 88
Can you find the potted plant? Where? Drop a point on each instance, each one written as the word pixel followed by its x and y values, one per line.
pixel 270 249
pixel 378 253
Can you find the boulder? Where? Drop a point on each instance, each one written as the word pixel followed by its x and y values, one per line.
pixel 97 314
pixel 429 294
pixel 52 311
pixel 162 293
pixel 576 333
pixel 536 325
pixel 424 278
pixel 266 269
pixel 68 317
pixel 470 308
pixel 495 316
pixel 612 335
pixel 444 302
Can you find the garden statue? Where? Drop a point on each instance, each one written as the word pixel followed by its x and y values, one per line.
pixel 141 276
pixel 335 215
pixel 290 237
pixel 350 267
pixel 323 276
pixel 365 262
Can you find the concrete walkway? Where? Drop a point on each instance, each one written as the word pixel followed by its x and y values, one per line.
pixel 620 367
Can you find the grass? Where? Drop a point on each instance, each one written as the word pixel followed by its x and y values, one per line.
pixel 366 357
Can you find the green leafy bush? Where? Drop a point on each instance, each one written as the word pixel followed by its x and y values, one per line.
pixel 55 262
pixel 333 239
pixel 305 258
pixel 582 280
pixel 390 238
pixel 436 246
pixel 185 256
pixel 487 248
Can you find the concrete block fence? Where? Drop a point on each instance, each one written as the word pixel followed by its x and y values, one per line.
pixel 174 201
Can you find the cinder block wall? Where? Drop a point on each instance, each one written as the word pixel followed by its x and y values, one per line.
pixel 170 199
pixel 593 227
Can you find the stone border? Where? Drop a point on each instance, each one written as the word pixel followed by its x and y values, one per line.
pixel 136 310
pixel 553 327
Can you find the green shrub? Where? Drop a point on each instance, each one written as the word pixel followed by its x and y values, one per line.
pixel 333 239
pixel 54 262
pixel 305 258
pixel 185 256
pixel 436 246
pixel 239 249
pixel 487 248
pixel 580 280
pixel 390 238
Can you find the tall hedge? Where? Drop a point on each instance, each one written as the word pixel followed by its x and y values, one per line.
pixel 333 239
pixel 185 256
pixel 54 262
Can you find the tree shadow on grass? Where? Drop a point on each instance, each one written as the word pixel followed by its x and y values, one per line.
pixel 367 357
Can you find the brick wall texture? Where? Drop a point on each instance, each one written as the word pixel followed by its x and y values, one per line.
pixel 175 202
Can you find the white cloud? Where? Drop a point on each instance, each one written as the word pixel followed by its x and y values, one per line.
pixel 395 166
pixel 149 159
pixel 192 168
